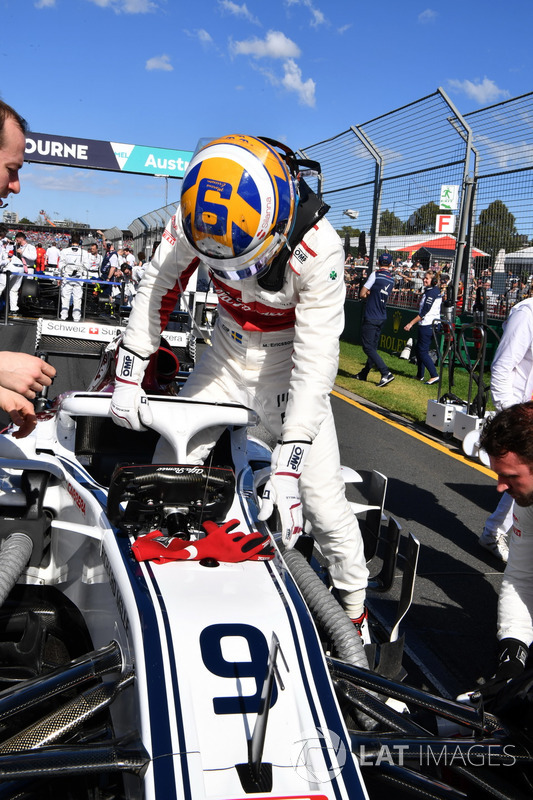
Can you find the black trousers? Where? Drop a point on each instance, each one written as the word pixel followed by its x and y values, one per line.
pixel 370 333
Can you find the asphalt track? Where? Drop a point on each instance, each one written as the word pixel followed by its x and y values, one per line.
pixel 442 498
pixel 435 493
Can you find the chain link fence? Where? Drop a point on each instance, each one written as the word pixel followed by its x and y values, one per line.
pixel 502 214
pixel 384 178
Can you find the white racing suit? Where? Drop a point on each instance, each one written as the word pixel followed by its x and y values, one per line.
pixel 515 602
pixel 18 266
pixel 511 382
pixel 277 353
pixel 73 263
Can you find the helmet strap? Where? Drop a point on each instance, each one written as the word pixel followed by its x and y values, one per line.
pixel 310 209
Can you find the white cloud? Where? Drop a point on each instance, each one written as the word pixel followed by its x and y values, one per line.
pixel 159 62
pixel 318 17
pixel 127 6
pixel 344 28
pixel 427 16
pixel 45 4
pixel 507 155
pixel 275 45
pixel 278 46
pixel 482 92
pixel 201 34
pixel 292 81
pixel 238 10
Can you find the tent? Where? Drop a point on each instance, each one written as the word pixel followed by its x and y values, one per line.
pixel 521 259
pixel 443 245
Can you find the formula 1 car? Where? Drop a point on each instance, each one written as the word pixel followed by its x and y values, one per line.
pixel 39 296
pixel 156 641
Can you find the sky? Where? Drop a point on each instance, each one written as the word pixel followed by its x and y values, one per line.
pixel 167 73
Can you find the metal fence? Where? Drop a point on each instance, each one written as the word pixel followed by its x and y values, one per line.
pixel 148 229
pixel 385 177
pixel 502 216
pixel 383 180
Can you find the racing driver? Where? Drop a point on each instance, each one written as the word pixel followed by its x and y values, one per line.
pixel 277 266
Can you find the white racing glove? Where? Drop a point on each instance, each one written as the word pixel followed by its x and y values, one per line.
pixel 129 404
pixel 283 491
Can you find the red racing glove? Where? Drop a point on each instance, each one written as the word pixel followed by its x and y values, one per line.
pixel 222 543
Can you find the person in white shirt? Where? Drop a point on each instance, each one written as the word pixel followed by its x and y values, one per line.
pixel 429 311
pixel 52 258
pixel 511 382
pixel 139 268
pixel 22 263
pixel 129 258
pixel 508 440
pixel 94 262
pixel 6 251
pixel 74 263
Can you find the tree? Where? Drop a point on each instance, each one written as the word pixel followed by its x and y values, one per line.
pixel 347 230
pixel 496 229
pixel 422 221
pixel 390 224
pixel 25 221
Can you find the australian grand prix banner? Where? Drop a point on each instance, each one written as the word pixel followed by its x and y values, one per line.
pixel 112 156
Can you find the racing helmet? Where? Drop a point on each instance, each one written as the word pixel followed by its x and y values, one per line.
pixel 238 204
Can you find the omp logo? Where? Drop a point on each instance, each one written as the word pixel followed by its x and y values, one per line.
pixel 78 499
pixel 127 366
pixel 295 458
pixel 300 255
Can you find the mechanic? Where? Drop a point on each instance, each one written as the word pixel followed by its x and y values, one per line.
pixel 377 290
pixel 511 381
pixel 277 266
pixel 508 441
pixel 73 263
pixel 21 375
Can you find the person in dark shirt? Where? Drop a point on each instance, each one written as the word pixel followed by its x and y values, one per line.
pixel 429 311
pixel 377 290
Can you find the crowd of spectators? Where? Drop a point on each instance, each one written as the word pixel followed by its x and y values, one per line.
pixel 408 279
pixel 498 304
pixel 44 257
pixel 45 238
pixel 408 285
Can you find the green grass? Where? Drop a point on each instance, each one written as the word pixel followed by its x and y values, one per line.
pixel 405 395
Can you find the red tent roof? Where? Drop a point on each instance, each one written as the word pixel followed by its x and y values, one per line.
pixel 442 243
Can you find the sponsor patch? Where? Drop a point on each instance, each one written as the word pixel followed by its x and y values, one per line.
pixel 169 237
pixel 300 255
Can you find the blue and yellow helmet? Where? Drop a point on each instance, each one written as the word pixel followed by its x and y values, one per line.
pixel 238 204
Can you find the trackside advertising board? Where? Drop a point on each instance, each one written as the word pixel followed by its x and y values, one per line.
pixel 66 151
